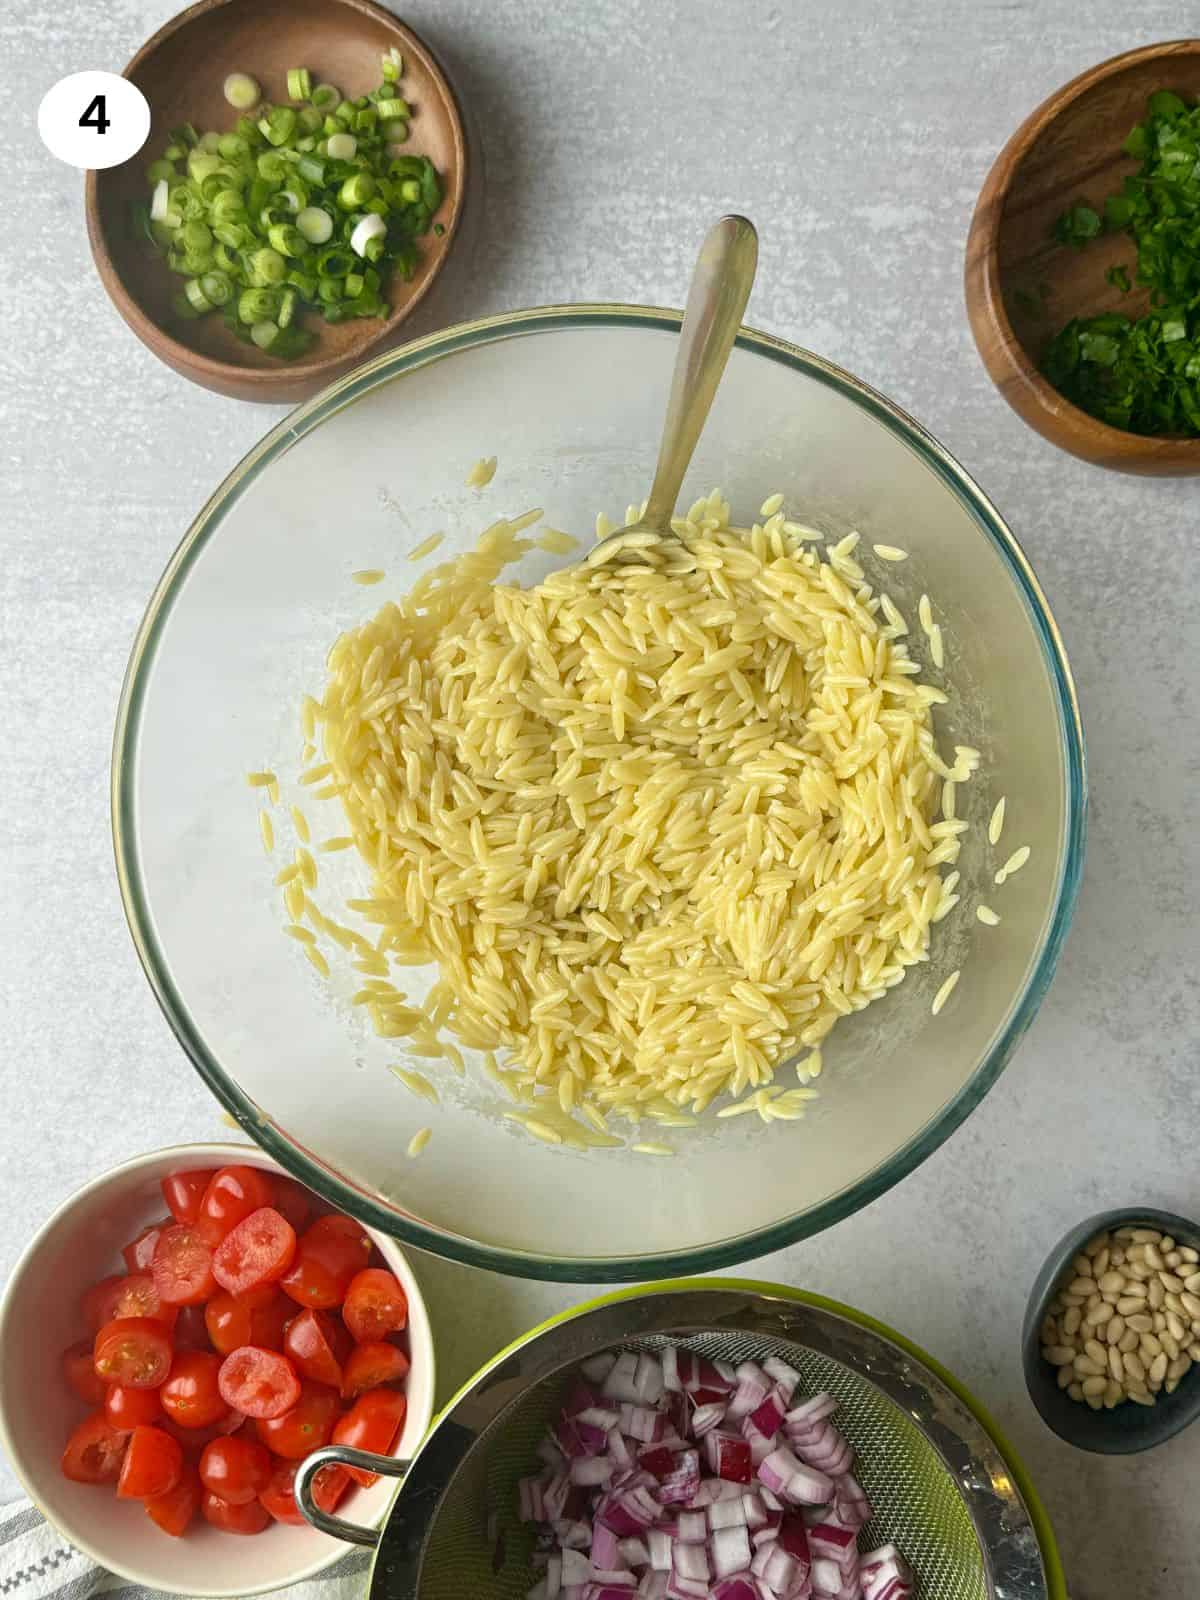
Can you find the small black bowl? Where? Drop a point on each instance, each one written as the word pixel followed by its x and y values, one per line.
pixel 1127 1428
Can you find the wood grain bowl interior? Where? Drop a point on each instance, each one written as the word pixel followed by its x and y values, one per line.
pixel 1022 286
pixel 182 71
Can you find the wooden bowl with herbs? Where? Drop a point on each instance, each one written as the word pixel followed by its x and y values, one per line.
pixel 1083 270
pixel 298 194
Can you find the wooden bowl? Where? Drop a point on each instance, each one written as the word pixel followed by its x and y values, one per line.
pixel 182 72
pixel 1022 286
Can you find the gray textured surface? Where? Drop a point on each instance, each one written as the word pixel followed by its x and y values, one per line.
pixel 858 140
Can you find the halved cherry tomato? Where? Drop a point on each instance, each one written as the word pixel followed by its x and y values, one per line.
pixel 132 1295
pixel 183 1272
pixel 127 1408
pixel 257 1317
pixel 80 1372
pixel 190 1330
pixel 193 1440
pixel 94 1451
pixel 258 1250
pixel 376 1305
pixel 233 1519
pixel 292 1202
pixel 261 1383
pixel 135 1351
pixel 305 1427
pixel 279 1496
pixel 139 1252
pixel 152 1465
pixel 232 1194
pixel 191 1396
pixel 371 1366
pixel 373 1423
pixel 327 1258
pixel 173 1512
pixel 184 1194
pixel 235 1469
pixel 318 1345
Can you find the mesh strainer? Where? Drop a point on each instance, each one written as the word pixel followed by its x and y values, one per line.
pixel 944 1487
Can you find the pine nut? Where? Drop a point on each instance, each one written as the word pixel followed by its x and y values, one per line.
pixel 1158 1368
pixel 1094 1349
pixel 1166 1244
pixel 1082 1266
pixel 1193 1350
pixel 1065 1376
pixel 1154 1257
pixel 1139 1323
pixel 1085 1367
pixel 1133 1366
pixel 1171 1385
pixel 1113 1329
pixel 1145 1236
pixel 1149 1342
pixel 1075 1392
pixel 1169 1281
pixel 1175 1326
pixel 1170 1345
pixel 1096 1401
pixel 1115 1365
pixel 1130 1302
pixel 1103 1258
pixel 1113 1281
pixel 1156 1294
pixel 1123 1233
pixel 1059 1355
pixel 1085 1286
pixel 1173 1259
pixel 1137 1271
pixel 1114 1393
pixel 1072 1317
pixel 1191 1305
pixel 1174 1302
pixel 1094 1246
pixel 1095 1385
pixel 1116 1257
pixel 1189 1253
pixel 1178 1367
pixel 1127 1341
pixel 1072 1299
pixel 1192 1284
pixel 1097 1315
pixel 1140 1397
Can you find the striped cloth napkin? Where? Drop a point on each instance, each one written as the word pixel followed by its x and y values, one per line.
pixel 37 1563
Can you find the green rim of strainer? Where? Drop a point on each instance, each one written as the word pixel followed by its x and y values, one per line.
pixel 1047 1544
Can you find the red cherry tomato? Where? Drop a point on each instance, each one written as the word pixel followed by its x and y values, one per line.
pixel 317 1344
pixel 173 1512
pixel 371 1366
pixel 235 1469
pixel 152 1465
pixel 139 1252
pixel 303 1429
pixel 183 1272
pixel 193 1440
pixel 184 1194
pixel 327 1258
pixel 292 1202
pixel 258 1250
pixel 190 1330
pixel 260 1383
pixel 135 1351
pixel 373 1423
pixel 127 1409
pixel 94 1451
pixel 258 1317
pixel 232 1193
pixel 80 1373
pixel 233 1519
pixel 279 1496
pixel 191 1396
pixel 227 1321
pixel 376 1305
pixel 132 1295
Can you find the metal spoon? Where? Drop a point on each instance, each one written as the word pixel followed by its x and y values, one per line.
pixel 720 287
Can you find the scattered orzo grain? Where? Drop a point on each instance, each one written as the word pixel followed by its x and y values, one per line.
pixel 260 780
pixel 369 575
pixel 987 916
pixel 482 473
pixel 889 552
pixel 267 828
pixel 996 822
pixel 300 823
pixel 650 1147
pixel 426 546
pixel 770 505
pixel 417 1083
pixel 419 1140
pixel 1014 863
pixel 944 993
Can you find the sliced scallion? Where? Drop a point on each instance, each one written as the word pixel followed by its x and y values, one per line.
pixel 242 91
pixel 158 201
pixel 325 97
pixel 342 147
pixel 371 227
pixel 299 83
pixel 315 224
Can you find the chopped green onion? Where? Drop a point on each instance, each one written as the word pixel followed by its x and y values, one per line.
pixel 197 298
pixel 365 121
pixel 410 191
pixel 342 146
pixel 160 170
pixel 278 126
pixel 218 287
pixel 394 107
pixel 312 169
pixel 371 228
pixel 310 119
pixel 257 305
pixel 356 191
pixel 395 132
pixel 335 263
pixel 287 239
pixel 158 201
pixel 325 97
pixel 299 83
pixel 392 65
pixel 304 283
pixel 242 91
pixel 271 166
pixel 264 334
pixel 266 266
pixel 196 237
pixel 315 224
pixel 287 308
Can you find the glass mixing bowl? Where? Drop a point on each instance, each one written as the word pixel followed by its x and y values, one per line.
pixel 570 400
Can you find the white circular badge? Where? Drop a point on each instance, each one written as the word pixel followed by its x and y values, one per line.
pixel 94 119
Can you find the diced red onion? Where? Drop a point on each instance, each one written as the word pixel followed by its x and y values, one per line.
pixel 572 1535
pixel 648 1380
pixel 553 1577
pixel 605 1417
pixel 730 1551
pixel 611 1591
pixel 707 1417
pixel 793 1537
pixel 659 1546
pixel 753 1386
pixel 596 1368
pixel 643 1423
pixel 826 1579
pixel 606 1551
pixel 881 1570
pixel 787 1377
pixel 619 1578
pixel 691 1561
pixel 810 1412
pixel 621 1382
pixel 589 1471
pixel 693 1528
pixel 851 1506
pixel 729 1456
pixel 653 1585
pixel 727 1514
pixel 629 1512
pixel 670 1368
pixel 680 1485
pixel 576 1568
pixel 634 1553
pixel 739 1588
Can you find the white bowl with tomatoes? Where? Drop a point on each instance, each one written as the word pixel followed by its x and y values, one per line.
pixel 178 1336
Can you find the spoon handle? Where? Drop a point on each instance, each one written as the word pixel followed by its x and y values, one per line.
pixel 716 302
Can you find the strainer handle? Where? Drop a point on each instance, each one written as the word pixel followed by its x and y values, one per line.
pixel 341 1455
